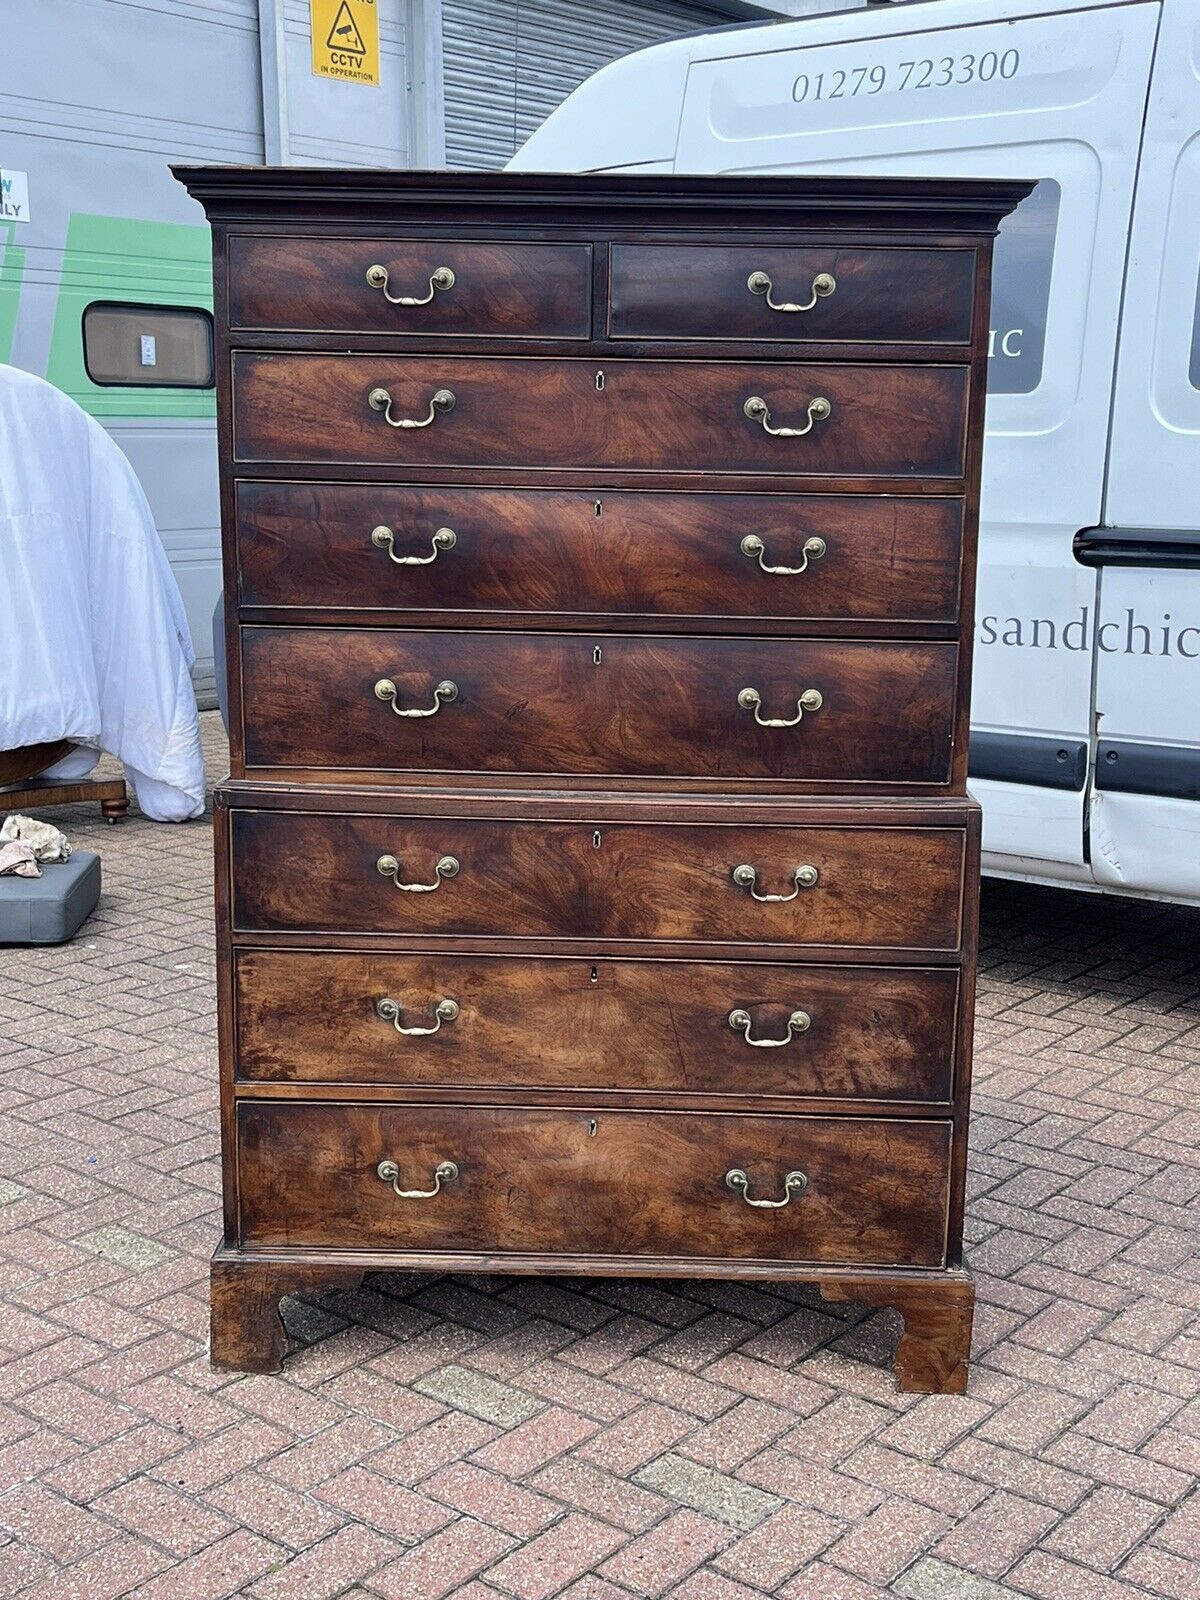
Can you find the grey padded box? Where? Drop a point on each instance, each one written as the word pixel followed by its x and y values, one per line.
pixel 52 908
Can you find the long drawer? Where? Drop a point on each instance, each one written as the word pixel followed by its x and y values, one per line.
pixel 791 292
pixel 387 700
pixel 547 553
pixel 890 888
pixel 482 288
pixel 869 1033
pixel 666 416
pixel 611 1183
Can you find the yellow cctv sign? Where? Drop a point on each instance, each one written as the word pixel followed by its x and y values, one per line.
pixel 345 40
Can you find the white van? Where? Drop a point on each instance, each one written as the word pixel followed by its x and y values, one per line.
pixel 1085 747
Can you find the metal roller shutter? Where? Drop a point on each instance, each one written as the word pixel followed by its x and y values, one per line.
pixel 508 63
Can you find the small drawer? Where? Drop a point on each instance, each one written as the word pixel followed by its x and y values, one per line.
pixel 609 1183
pixel 458 287
pixel 678 1027
pixel 819 293
pixel 548 553
pixel 829 712
pixel 801 418
pixel 887 888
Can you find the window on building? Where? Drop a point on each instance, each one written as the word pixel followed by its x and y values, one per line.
pixel 148 347
pixel 1021 291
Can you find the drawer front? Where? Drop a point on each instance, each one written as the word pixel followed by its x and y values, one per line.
pixel 612 1183
pixel 407 700
pixel 499 290
pixel 551 552
pixel 813 292
pixel 870 1033
pixel 662 416
pixel 895 888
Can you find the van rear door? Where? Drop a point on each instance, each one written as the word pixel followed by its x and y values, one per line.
pixel 960 88
pixel 1146 806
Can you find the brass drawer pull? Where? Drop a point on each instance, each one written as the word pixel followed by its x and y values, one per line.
pixel 740 1021
pixel 752 545
pixel 746 877
pixel 751 700
pixel 391 1011
pixel 385 689
pixel 444 1172
pixel 440 278
pixel 389 867
pixel 736 1179
pixel 823 285
pixel 381 400
pixel 757 409
pixel 444 539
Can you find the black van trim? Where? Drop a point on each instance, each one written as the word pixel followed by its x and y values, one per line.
pixel 1137 547
pixel 1029 758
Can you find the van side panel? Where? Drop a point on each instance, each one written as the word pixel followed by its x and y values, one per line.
pixel 1057 97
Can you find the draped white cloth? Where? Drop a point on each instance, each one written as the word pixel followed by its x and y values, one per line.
pixel 94 642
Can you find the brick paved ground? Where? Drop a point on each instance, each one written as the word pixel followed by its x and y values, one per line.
pixel 499 1440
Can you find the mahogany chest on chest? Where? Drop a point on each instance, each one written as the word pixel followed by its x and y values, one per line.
pixel 596 876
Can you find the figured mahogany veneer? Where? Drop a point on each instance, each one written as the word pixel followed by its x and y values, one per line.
pixel 875 888
pixel 702 292
pixel 504 289
pixel 617 1182
pixel 653 1027
pixel 576 705
pixel 581 968
pixel 539 557
pixel 647 416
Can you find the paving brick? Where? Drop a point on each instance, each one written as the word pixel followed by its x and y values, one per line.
pixel 716 1494
pixel 888 1540
pixel 820 1581
pixel 1104 1530
pixel 1180 1532
pixel 222 1570
pixel 164 1515
pixel 778 1547
pixel 293 1519
pixel 442 1563
pixel 997 1534
pixel 651 1564
pixel 531 1444
pixel 135 1467
pixel 554 1558
pixel 930 1579
pixel 386 1506
pixel 638 1438
pixel 53 1525
pixel 577 1483
pixel 469 1489
pixel 478 1395
pixel 326 1568
pixel 738 1433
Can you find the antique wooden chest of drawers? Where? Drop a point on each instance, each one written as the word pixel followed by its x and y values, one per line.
pixel 596 873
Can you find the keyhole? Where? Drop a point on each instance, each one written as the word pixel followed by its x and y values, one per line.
pixel 599 382
pixel 599 509
pixel 596 846
pixel 592 1125
pixel 596 656
pixel 594 975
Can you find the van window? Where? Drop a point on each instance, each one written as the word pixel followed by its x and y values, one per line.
pixel 1021 291
pixel 1194 365
pixel 159 347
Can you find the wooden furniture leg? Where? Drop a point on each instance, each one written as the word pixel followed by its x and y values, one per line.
pixel 247 1331
pixel 115 810
pixel 932 1355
